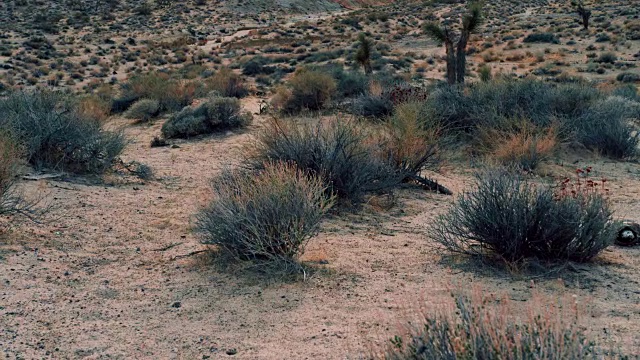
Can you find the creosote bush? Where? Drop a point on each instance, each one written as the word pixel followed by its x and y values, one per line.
pixel 513 218
pixel 264 216
pixel 483 327
pixel 409 142
pixel 215 114
pixel 54 134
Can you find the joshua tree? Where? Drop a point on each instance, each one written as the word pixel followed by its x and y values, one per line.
pixel 363 56
pixel 456 54
pixel 584 13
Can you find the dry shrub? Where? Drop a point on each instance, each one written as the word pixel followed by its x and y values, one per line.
pixel 94 107
pixel 227 84
pixel 339 151
pixel 9 160
pixel 265 216
pixel 375 88
pixel 11 200
pixel 55 136
pixel 524 148
pixel 481 326
pixel 509 216
pixel 171 94
pixel 409 142
pixel 213 115
pixel 310 89
pixel 281 97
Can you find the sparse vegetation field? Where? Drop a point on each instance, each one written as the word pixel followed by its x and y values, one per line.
pixel 336 179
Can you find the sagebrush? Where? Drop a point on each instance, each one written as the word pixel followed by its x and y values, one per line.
pixel 265 216
pixel 509 216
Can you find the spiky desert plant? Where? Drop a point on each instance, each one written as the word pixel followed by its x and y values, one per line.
pixel 456 54
pixel 363 56
pixel 584 13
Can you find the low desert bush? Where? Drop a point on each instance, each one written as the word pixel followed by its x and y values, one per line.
pixel 373 106
pixel 171 95
pixel 575 110
pixel 349 83
pixel 524 147
pixel 541 38
pixel 606 127
pixel 339 152
pixel 55 135
pixel 215 114
pixel 227 84
pixel 608 57
pixel 481 326
pixel 265 216
pixel 509 216
pixel 94 107
pixel 310 90
pixel 628 77
pixel 410 142
pixel 9 160
pixel 143 110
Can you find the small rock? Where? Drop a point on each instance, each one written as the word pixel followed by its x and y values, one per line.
pixel 176 304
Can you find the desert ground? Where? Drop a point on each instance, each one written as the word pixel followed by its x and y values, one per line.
pixel 115 270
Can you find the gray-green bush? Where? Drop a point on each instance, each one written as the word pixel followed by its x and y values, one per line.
pixel 575 109
pixel 337 151
pixel 481 328
pixel 143 110
pixel 508 216
pixel 213 115
pixel 265 216
pixel 48 126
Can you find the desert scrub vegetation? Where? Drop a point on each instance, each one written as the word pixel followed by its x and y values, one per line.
pixel 143 110
pixel 307 90
pixel 227 84
pixel 523 147
pixel 213 115
pixel 11 202
pixel 171 94
pixel 595 119
pixel 353 158
pixel 482 326
pixel 337 151
pixel 54 134
pixel 264 216
pixel 511 217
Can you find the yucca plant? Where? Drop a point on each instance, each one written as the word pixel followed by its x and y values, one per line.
pixel 456 54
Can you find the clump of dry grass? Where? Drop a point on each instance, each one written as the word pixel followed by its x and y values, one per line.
pixel 409 142
pixel 94 107
pixel 524 147
pixel 481 326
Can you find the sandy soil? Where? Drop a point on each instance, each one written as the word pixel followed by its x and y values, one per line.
pixel 110 277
